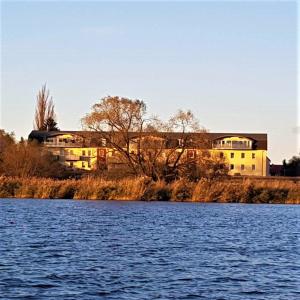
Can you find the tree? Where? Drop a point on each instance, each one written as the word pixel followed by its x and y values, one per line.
pixel 29 159
pixel 6 139
pixel 51 125
pixel 44 113
pixel 117 118
pixel 148 146
pixel 292 167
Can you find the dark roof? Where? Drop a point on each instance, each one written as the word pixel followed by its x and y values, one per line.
pixel 43 135
pixel 260 139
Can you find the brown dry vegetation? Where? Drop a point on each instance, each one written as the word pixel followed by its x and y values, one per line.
pixel 142 188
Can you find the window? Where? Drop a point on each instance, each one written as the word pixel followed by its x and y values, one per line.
pixel 83 152
pixel 89 163
pixel 89 153
pixel 180 142
pixel 83 164
pixel 231 167
pixel 242 155
pixel 101 153
pixel 221 154
pixel 191 154
pixel 253 155
pixel 71 164
pixel 253 167
pixel 231 155
pixel 103 142
pixel 242 167
pixel 71 152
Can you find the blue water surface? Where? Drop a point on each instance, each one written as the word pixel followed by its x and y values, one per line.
pixel 67 249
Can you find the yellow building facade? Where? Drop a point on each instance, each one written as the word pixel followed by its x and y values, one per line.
pixel 241 156
pixel 244 154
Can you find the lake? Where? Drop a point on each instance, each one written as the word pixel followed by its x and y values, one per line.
pixel 67 249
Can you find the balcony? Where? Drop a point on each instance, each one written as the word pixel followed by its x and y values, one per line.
pixel 72 157
pixel 63 144
pixel 233 145
pixel 84 158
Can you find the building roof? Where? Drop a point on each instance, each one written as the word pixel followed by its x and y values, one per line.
pixel 259 139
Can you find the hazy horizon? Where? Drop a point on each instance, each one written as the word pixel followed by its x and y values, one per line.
pixel 234 64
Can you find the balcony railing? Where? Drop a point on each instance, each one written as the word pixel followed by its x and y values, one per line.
pixel 63 144
pixel 230 146
pixel 85 158
pixel 72 157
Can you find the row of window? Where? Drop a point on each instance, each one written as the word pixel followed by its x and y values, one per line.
pixel 229 142
pixel 89 152
pixel 61 140
pixel 232 167
pixel 83 164
pixel 71 140
pixel 243 155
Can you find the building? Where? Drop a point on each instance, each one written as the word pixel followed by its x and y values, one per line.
pixel 245 153
pixel 276 170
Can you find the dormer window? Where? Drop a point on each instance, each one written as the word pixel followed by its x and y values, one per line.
pixel 232 142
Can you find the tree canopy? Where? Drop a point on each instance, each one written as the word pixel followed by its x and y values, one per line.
pixel 26 159
pixel 292 167
pixel 141 142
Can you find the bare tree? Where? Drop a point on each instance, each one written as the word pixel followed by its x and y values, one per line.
pixel 45 118
pixel 28 159
pixel 148 146
pixel 119 120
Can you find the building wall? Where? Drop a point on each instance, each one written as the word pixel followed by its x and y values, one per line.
pixel 68 148
pixel 84 158
pixel 245 162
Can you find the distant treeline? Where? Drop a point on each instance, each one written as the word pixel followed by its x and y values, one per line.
pixel 141 188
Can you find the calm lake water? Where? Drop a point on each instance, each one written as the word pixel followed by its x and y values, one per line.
pixel 64 249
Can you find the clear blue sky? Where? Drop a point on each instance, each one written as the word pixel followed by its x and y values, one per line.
pixel 234 64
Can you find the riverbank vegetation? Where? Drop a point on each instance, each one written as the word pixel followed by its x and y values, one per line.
pixel 240 190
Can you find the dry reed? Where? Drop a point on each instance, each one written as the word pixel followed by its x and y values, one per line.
pixel 243 190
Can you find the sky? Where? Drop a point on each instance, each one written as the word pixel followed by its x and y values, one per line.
pixel 233 64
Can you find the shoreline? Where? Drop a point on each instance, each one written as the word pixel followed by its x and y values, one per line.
pixel 226 190
pixel 154 201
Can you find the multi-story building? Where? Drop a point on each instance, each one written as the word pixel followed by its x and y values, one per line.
pixel 245 153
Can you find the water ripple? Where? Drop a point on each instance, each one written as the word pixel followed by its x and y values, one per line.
pixel 134 250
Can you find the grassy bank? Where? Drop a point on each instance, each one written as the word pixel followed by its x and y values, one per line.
pixel 224 191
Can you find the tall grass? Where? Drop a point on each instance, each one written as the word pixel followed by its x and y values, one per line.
pixel 248 190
